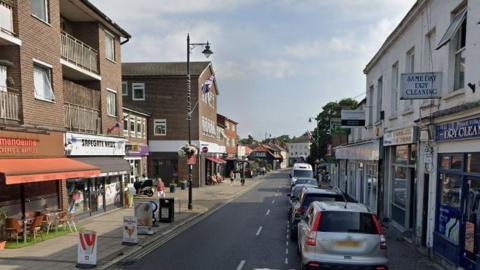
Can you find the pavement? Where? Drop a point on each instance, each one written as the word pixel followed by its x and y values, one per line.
pixel 61 252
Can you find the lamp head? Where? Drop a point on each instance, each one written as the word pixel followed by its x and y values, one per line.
pixel 207 52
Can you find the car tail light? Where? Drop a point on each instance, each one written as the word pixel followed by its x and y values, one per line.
pixel 316 223
pixel 380 268
pixel 383 241
pixel 311 239
pixel 314 264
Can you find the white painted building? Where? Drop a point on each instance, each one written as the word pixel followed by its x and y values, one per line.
pixel 298 150
pixel 431 147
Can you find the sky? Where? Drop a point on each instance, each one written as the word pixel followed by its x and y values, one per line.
pixel 277 62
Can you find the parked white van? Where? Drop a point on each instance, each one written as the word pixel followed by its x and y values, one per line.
pixel 301 170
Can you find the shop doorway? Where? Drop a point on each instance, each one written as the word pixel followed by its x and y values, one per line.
pixel 469 227
pixel 426 180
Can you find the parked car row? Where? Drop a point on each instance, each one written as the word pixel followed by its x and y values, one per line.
pixel 333 231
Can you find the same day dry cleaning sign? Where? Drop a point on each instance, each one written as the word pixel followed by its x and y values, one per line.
pixel 421 85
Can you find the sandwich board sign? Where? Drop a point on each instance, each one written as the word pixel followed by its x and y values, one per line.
pixel 130 233
pixel 87 249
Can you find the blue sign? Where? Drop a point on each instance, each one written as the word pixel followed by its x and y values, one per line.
pixel 458 130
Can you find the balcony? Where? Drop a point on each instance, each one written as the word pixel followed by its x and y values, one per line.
pixel 9 107
pixel 82 108
pixel 81 119
pixel 78 57
pixel 7 35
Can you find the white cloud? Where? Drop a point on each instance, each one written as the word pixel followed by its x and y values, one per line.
pixel 274 68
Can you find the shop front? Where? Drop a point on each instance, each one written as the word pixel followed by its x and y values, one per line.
pixel 88 196
pixel 358 171
pixel 136 155
pixel 33 170
pixel 401 157
pixel 457 219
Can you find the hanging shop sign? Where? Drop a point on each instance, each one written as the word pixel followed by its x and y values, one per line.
pixel 458 130
pixel 364 151
pixel 130 234
pixel 87 249
pixel 22 144
pixel 401 136
pixel 353 118
pixel 136 150
pixel 91 145
pixel 421 85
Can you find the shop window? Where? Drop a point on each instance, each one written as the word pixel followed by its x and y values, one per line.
pixel 473 162
pixel 457 161
pixel 401 154
pixel 445 162
pixel 449 211
pixel 400 186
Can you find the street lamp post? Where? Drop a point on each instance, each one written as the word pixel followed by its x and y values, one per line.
pixel 207 52
pixel 318 142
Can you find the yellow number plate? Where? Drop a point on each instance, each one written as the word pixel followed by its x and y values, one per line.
pixel 347 244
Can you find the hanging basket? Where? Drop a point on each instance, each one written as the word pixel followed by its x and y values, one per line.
pixel 187 151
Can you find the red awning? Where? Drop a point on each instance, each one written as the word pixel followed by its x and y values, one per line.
pixel 215 160
pixel 20 171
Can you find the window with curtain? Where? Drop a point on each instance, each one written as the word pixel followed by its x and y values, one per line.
pixel 3 78
pixel 111 103
pixel 109 46
pixel 42 83
pixel 459 56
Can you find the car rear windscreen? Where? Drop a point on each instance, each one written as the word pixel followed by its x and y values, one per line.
pixel 302 173
pixel 347 222
pixel 309 198
pixel 306 181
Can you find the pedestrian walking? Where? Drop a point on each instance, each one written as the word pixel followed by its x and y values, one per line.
pixel 160 188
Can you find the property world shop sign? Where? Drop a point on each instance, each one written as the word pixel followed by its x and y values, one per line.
pixel 458 130
pixel 421 85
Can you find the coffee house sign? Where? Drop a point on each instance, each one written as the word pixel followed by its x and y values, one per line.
pixel 91 145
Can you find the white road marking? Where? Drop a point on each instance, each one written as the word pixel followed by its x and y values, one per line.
pixel 286 243
pixel 240 266
pixel 259 230
pixel 268 212
pixel 273 201
pixel 286 260
pixel 286 251
pixel 276 194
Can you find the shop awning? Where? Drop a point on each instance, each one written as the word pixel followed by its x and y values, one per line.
pixel 21 171
pixel 108 165
pixel 216 160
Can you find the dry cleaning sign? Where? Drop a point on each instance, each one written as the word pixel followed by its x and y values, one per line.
pixel 421 85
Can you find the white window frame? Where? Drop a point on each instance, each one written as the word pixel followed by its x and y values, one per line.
pixel 458 50
pixel 370 104
pixel 126 127
pixel 3 78
pixel 144 129
pixel 410 68
pixel 139 125
pixel 124 88
pixel 395 82
pixel 112 43
pixel 109 92
pixel 138 86
pixel 46 67
pixel 133 133
pixel 47 15
pixel 159 122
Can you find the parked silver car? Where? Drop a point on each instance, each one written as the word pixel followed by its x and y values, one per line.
pixel 341 235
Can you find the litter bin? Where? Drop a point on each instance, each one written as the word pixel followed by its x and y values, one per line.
pixel 167 207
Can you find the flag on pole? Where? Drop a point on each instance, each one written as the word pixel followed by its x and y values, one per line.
pixel 208 84
pixel 111 129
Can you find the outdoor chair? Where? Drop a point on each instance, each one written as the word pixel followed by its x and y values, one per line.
pixel 36 227
pixel 49 221
pixel 13 228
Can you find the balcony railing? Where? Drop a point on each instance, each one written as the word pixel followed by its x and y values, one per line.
pixel 9 107
pixel 79 53
pixel 82 119
pixel 6 16
pixel 80 95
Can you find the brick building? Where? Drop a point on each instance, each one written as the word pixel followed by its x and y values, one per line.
pixel 59 73
pixel 160 88
pixel 231 136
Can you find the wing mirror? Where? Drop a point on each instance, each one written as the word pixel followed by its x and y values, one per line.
pixel 289 195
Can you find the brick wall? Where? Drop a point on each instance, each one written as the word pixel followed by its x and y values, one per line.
pixel 40 41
